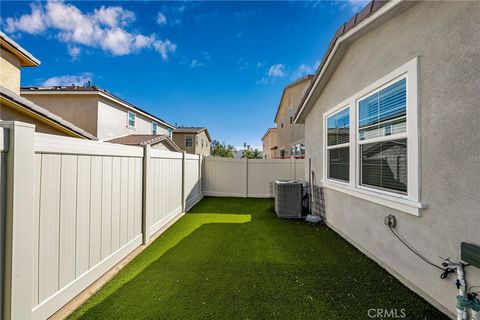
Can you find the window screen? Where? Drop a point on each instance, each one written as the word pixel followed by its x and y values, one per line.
pixel 338 150
pixel 384 113
pixel 384 165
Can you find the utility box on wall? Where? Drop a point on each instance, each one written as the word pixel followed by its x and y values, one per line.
pixel 470 253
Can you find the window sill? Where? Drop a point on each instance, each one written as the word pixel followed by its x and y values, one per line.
pixel 404 205
pixel 131 128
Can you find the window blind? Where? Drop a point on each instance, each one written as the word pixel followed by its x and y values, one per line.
pixel 339 163
pixel 384 113
pixel 384 165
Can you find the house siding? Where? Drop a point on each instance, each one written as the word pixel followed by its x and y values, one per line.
pixel 10 75
pixel 445 36
pixel 81 110
pixel 291 133
pixel 205 149
pixel 112 121
pixel 270 141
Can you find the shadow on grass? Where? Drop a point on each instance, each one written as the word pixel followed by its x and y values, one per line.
pixel 246 263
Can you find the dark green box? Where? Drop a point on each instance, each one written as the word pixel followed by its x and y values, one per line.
pixel 470 253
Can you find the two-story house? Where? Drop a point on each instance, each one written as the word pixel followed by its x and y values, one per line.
pixel 194 140
pixel 270 144
pixel 291 136
pixel 13 107
pixel 104 115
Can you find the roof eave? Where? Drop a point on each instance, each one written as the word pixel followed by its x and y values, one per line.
pixel 339 43
pixel 26 58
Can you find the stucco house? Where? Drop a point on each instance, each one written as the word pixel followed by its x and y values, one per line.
pixel 270 144
pixel 102 114
pixel 392 128
pixel 194 140
pixel 13 107
pixel 290 135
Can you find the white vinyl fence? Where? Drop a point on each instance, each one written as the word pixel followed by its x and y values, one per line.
pixel 247 178
pixel 88 204
pixel 71 209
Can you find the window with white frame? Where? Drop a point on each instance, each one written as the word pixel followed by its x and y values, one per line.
pixel 131 121
pixel 170 131
pixel 188 141
pixel 338 145
pixel 382 126
pixel 371 142
pixel 154 128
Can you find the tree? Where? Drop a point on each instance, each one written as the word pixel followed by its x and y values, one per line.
pixel 222 150
pixel 249 153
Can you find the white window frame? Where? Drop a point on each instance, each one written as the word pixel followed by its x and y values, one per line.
pixel 409 202
pixel 154 125
pixel 134 120
pixel 337 109
pixel 189 136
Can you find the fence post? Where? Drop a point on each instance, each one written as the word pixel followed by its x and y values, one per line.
pixel 292 168
pixel 147 195
pixel 246 177
pixel 19 216
pixel 184 169
pixel 199 182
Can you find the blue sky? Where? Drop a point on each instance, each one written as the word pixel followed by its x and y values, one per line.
pixel 222 65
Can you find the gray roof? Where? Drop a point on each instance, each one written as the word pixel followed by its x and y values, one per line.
pixel 90 88
pixel 19 50
pixel 30 106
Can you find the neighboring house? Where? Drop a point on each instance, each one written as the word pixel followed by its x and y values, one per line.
pixel 290 135
pixel 13 107
pixel 392 126
pixel 100 112
pixel 270 144
pixel 194 140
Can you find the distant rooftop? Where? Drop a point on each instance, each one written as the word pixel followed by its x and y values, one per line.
pixel 89 88
pixel 144 139
pixel 195 130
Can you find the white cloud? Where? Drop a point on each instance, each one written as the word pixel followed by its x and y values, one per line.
pixel 161 19
pixel 354 5
pixel 304 69
pixel 195 64
pixel 68 80
pixel 74 52
pixel 277 70
pixel 32 23
pixel 164 48
pixel 104 28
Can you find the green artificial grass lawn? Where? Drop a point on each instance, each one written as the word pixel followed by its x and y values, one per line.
pixel 231 258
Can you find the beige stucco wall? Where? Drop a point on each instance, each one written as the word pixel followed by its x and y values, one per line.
pixel 446 38
pixel 270 141
pixel 112 121
pixel 81 110
pixel 179 139
pixel 9 114
pixel 9 71
pixel 290 133
pixel 203 149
